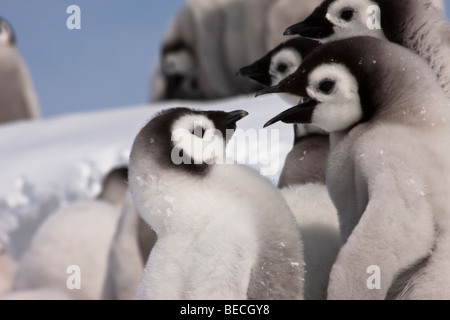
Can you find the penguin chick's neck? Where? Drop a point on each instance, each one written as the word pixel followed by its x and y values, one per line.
pixel 404 88
pixel 427 107
pixel 419 26
pixel 407 20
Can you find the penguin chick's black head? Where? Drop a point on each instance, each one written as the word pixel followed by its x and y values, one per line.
pixel 280 62
pixel 348 81
pixel 186 139
pixel 7 35
pixel 340 19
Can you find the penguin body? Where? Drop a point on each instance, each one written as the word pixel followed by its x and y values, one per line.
pixel 18 99
pixel 389 191
pixel 80 236
pixel 8 269
pixel 307 161
pixel 217 239
pixel 38 294
pixel 317 222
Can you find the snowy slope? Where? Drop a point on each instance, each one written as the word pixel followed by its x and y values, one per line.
pixel 51 163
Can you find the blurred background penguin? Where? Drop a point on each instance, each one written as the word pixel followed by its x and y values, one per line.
pixel 210 40
pixel 18 100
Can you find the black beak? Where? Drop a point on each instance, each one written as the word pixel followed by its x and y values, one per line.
pixel 249 71
pixel 311 31
pixel 298 114
pixel 316 26
pixel 274 89
pixel 256 73
pixel 235 116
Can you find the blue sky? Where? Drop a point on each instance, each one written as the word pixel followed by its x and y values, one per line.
pixel 106 64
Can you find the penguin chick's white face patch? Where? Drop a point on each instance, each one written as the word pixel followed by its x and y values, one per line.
pixel 352 18
pixel 284 63
pixel 336 90
pixel 197 138
pixel 178 62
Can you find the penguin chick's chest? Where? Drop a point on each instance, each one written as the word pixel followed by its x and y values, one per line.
pixel 225 188
pixel 346 185
pixel 395 162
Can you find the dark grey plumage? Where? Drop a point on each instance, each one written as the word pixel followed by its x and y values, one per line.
pixel 307 161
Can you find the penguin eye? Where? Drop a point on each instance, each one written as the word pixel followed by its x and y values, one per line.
pixel 282 67
pixel 199 132
pixel 347 14
pixel 326 86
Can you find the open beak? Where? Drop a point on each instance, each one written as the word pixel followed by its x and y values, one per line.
pixel 298 114
pixel 274 89
pixel 235 116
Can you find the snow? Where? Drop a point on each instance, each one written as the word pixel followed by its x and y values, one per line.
pixel 52 163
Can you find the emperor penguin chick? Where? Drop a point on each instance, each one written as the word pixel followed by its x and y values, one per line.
pixel 415 24
pixel 389 183
pixel 180 73
pixel 78 236
pixel 224 232
pixel 18 99
pixel 306 163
